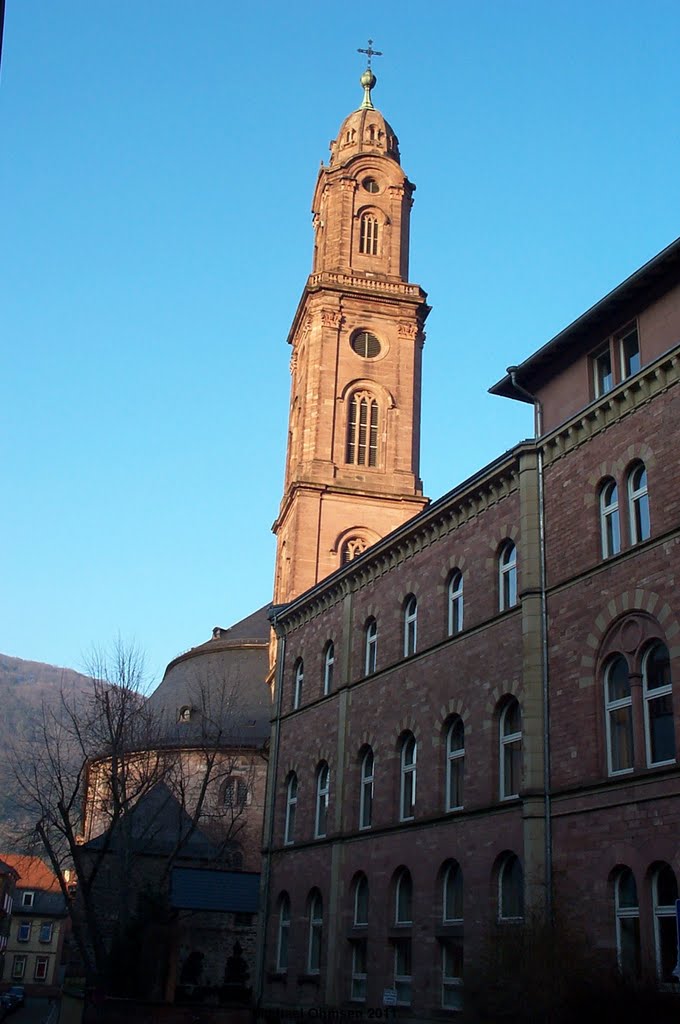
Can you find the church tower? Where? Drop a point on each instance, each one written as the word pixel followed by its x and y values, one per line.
pixel 352 467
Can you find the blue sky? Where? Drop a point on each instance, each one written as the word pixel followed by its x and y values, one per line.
pixel 157 164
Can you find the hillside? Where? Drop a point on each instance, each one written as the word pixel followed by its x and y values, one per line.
pixel 24 687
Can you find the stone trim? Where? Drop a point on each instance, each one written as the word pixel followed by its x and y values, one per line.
pixel 638 452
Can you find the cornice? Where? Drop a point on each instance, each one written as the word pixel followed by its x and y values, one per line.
pixel 623 400
pixel 350 282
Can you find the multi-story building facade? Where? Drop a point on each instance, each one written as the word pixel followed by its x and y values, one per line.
pixel 8 878
pixel 474 722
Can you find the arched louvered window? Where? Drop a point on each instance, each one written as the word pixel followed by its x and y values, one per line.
pixel 368 235
pixel 362 430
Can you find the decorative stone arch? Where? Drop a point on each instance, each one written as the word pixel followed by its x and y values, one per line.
pixel 383 394
pixel 616 470
pixel 630 601
pixel 362 535
pixel 372 209
pixel 498 698
pixel 454 707
pixel 447 568
pixel 357 748
pixel 406 724
pixel 509 531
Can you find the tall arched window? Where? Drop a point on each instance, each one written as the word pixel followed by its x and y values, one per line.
pixel 362 430
pixel 371 659
pixel 361 902
pixel 619 716
pixel 510 730
pixel 407 803
pixel 403 904
pixel 410 625
pixel 328 665
pixel 638 504
pixel 368 235
pixel 323 788
pixel 455 764
pixel 510 889
pixel 664 895
pixel 284 933
pixel 452 895
pixel 366 794
pixel 299 677
pixel 627 923
pixel 658 705
pixel 358 990
pixel 291 807
pixel 507 576
pixel 609 519
pixel 455 602
pixel 315 932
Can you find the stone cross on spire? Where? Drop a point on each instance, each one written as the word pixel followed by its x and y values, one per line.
pixel 368 79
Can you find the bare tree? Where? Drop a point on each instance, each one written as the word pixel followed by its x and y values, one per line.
pixel 119 794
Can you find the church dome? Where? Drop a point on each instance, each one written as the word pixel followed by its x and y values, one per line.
pixel 365 131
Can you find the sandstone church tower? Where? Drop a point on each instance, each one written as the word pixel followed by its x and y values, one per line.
pixel 352 467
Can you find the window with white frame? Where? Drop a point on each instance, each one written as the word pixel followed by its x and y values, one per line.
pixel 315 932
pixel 627 923
pixel 358 989
pixel 618 716
pixel 409 753
pixel 510 889
pixel 27 899
pixel 361 902
pixel 19 966
pixel 371 634
pixel 455 763
pixel 328 665
pixel 46 929
pixel 452 973
pixel 664 895
pixel 507 576
pixel 455 602
pixel 24 931
pixel 410 625
pixel 41 965
pixel 299 678
pixel 403 903
pixel 284 933
pixel 610 531
pixel 657 690
pixel 629 349
pixel 403 979
pixel 638 504
pixel 510 734
pixel 291 807
pixel 603 373
pixel 323 788
pixel 366 790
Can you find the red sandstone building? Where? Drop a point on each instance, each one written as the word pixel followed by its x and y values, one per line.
pixel 474 715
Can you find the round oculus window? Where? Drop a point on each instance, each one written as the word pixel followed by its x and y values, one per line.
pixel 366 345
pixel 371 185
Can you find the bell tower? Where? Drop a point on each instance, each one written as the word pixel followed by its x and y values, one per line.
pixel 353 460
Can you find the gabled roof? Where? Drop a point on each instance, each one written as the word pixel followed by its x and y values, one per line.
pixel 7 869
pixel 648 283
pixel 33 872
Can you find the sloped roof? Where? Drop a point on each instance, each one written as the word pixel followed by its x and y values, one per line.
pixel 33 872
pixel 204 889
pixel 7 869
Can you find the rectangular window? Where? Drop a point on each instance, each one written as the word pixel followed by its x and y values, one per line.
pixel 19 966
pixel 358 992
pixel 24 931
pixel 402 971
pixel 27 899
pixel 452 974
pixel 602 372
pixel 629 347
pixel 41 963
pixel 46 931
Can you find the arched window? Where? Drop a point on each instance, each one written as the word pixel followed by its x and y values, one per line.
pixel 455 602
pixel 368 235
pixel 664 895
pixel 638 504
pixel 510 889
pixel 410 625
pixel 627 923
pixel 658 704
pixel 407 803
pixel 291 807
pixel 619 716
pixel 366 793
pixel 299 672
pixel 507 576
pixel 452 895
pixel 510 730
pixel 371 659
pixel 455 764
pixel 352 547
pixel 403 903
pixel 315 932
pixel 235 793
pixel 328 665
pixel 284 933
pixel 362 430
pixel 323 788
pixel 361 902
pixel 609 519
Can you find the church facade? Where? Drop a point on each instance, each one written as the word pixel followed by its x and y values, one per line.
pixel 475 728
